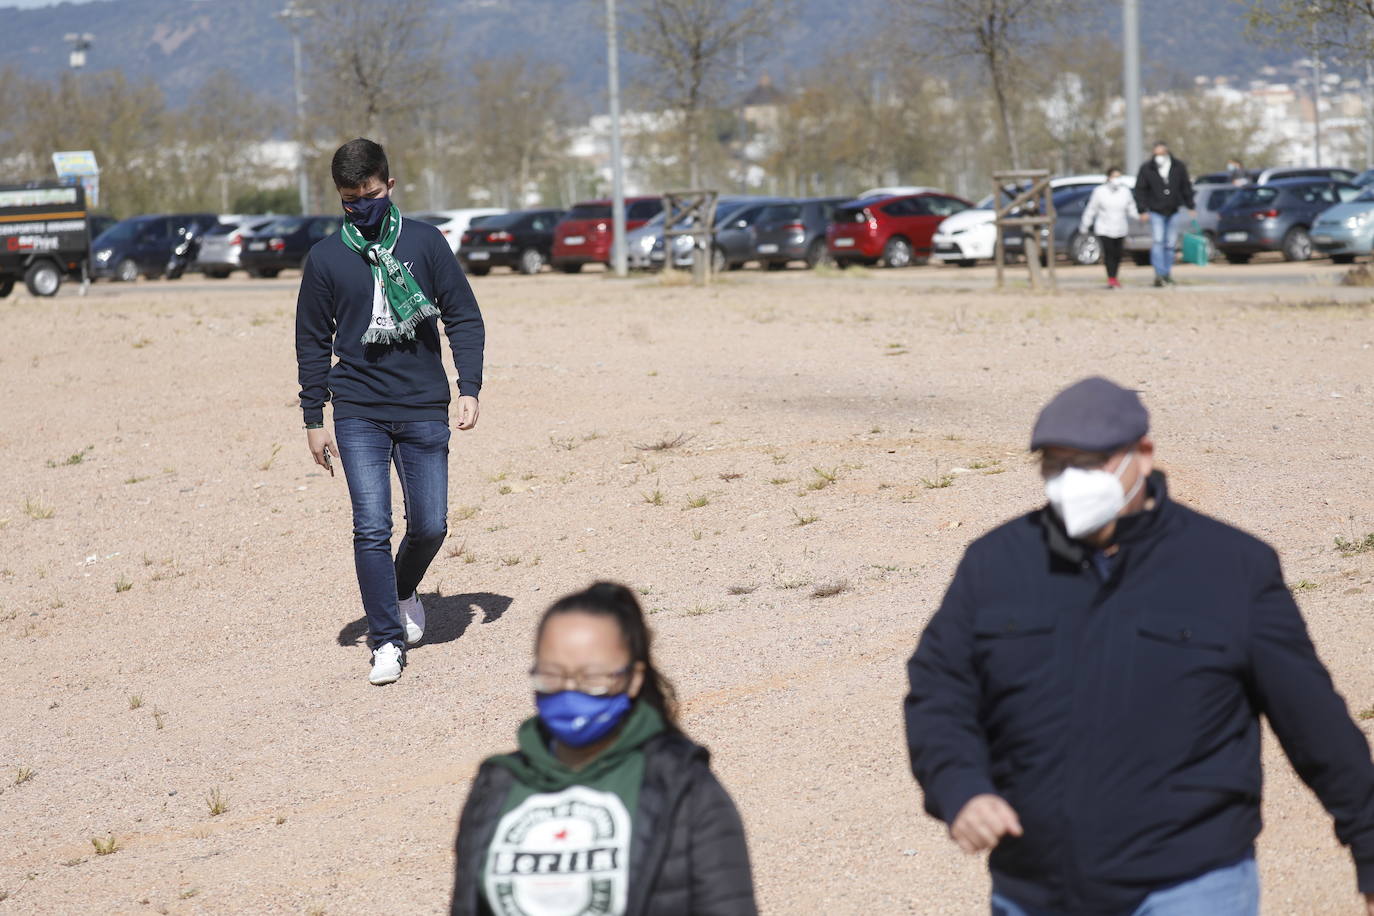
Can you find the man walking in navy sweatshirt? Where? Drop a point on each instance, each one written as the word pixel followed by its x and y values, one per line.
pixel 369 295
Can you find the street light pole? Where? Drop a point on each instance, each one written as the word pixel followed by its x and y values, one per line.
pixel 81 43
pixel 1130 42
pixel 618 253
pixel 291 15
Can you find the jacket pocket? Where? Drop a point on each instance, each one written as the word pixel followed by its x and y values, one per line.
pixel 1013 622
pixel 1185 632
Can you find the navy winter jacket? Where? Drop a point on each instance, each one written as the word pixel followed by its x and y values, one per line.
pixel 1120 719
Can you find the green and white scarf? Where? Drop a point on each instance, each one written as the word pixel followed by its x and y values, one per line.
pixel 398 303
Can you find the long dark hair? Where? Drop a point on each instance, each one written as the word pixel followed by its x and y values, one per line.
pixel 609 599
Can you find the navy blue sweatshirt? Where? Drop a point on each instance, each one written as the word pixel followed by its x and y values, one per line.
pixel 400 381
pixel 1120 718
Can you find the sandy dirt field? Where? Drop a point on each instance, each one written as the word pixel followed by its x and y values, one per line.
pixel 180 623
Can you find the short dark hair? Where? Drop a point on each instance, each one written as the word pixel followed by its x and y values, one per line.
pixel 1161 143
pixel 1113 168
pixel 609 599
pixel 357 161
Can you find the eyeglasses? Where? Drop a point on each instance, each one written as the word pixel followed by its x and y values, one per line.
pixel 1053 465
pixel 596 684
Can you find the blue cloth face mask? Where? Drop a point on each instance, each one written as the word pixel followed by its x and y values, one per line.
pixel 367 213
pixel 579 719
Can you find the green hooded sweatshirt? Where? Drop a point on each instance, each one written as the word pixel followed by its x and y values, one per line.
pixel 619 768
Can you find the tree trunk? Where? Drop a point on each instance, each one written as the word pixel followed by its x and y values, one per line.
pixel 1004 112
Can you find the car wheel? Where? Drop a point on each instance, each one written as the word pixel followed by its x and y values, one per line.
pixel 531 261
pixel 1084 249
pixel 775 265
pixel 1235 257
pixel 1297 245
pixel 1212 252
pixel 570 268
pixel 1343 259
pixel 897 253
pixel 817 254
pixel 43 278
pixel 269 273
pixel 841 263
pixel 127 271
pixel 6 286
pixel 217 274
pixel 718 263
pixel 480 270
pixel 967 262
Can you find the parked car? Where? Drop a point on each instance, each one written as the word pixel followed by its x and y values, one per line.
pixel 1364 179
pixel 640 243
pixel 1069 242
pixel 453 223
pixel 584 235
pixel 222 245
pixel 794 231
pixel 522 241
pixel 1277 217
pixel 1305 171
pixel 734 241
pixel 895 191
pixel 284 243
pixel 971 236
pixel 1251 177
pixel 683 251
pixel 99 222
pixel 1346 229
pixel 893 230
pixel 144 245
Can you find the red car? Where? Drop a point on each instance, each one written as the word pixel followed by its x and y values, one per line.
pixel 894 230
pixel 584 235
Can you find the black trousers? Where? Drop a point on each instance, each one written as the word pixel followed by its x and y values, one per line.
pixel 1111 253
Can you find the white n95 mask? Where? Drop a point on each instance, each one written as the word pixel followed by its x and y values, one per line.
pixel 1086 501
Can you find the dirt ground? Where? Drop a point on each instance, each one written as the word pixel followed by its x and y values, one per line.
pixel 180 622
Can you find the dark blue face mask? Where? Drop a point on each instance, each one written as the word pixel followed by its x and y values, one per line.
pixel 367 213
pixel 579 719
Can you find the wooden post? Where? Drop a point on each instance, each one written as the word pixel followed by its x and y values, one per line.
pixel 692 214
pixel 1024 211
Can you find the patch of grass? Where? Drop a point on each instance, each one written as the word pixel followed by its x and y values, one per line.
pixel 665 443
pixel 510 561
pixel 36 510
pixel 779 459
pixel 1365 715
pixel 189 893
pixel 73 458
pixel 458 550
pixel 135 479
pixel 697 502
pixel 830 589
pixel 779 481
pixel 699 610
pixel 497 478
pixel 696 534
pixel 135 701
pixel 267 464
pixel 875 430
pixel 1350 548
pixel 804 520
pixel 654 497
pixel 563 445
pixel 142 342
pixel 592 436
pixel 122 585
pixel 463 513
pixel 106 846
pixel 938 482
pixel 741 589
pixel 730 475
pixel 823 478
pixel 216 801
pixel 280 819
pixel 1358 276
pixel 23 775
pixel 790 584
pixel 158 717
pixel 1302 585
pixel 505 489
pixel 982 465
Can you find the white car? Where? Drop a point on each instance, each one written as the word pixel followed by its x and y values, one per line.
pixel 971 236
pixel 453 223
pixel 896 191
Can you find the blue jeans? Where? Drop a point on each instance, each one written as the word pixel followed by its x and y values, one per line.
pixel 1230 891
pixel 419 449
pixel 1164 232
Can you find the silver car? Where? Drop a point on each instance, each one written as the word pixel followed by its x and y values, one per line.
pixel 222 245
pixel 1347 229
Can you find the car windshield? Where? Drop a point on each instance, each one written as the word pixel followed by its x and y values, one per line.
pixel 498 221
pixel 590 211
pixel 284 226
pixel 779 212
pixel 119 233
pixel 1251 196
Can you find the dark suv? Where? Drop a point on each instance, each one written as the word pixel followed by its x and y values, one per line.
pixel 1277 217
pixel 143 245
pixel 284 243
pixel 794 231
pixel 522 241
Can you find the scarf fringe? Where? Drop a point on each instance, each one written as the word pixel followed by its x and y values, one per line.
pixel 404 330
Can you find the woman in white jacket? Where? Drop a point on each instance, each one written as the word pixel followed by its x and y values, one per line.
pixel 1107 216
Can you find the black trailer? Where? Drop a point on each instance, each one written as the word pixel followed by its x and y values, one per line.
pixel 44 236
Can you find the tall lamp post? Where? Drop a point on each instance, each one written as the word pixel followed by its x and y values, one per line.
pixel 292 15
pixel 618 253
pixel 1130 43
pixel 81 43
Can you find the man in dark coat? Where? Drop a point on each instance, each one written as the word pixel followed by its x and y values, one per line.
pixel 1163 195
pixel 1086 700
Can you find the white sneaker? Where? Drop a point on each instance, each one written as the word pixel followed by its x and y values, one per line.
pixel 386 665
pixel 413 615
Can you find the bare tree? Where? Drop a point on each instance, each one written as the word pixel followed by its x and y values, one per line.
pixel 510 124
pixel 999 34
pixel 687 45
pixel 1341 27
pixel 1209 130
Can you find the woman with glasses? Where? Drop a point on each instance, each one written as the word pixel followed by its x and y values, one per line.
pixel 607 807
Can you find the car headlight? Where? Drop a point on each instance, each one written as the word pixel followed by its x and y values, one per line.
pixel 1356 222
pixel 683 243
pixel 646 244
pixel 104 254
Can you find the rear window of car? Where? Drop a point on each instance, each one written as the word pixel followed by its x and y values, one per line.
pixel 780 212
pixel 220 229
pixel 284 226
pixel 643 209
pixel 497 221
pixel 853 214
pixel 590 211
pixel 434 219
pixel 1260 195
pixel 1217 198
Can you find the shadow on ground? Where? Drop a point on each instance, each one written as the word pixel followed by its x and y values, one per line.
pixel 447 617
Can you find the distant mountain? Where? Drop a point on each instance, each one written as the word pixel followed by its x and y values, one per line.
pixel 179 42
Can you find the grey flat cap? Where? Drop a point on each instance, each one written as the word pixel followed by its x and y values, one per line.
pixel 1094 415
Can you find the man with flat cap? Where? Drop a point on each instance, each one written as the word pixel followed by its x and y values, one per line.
pixel 1086 700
